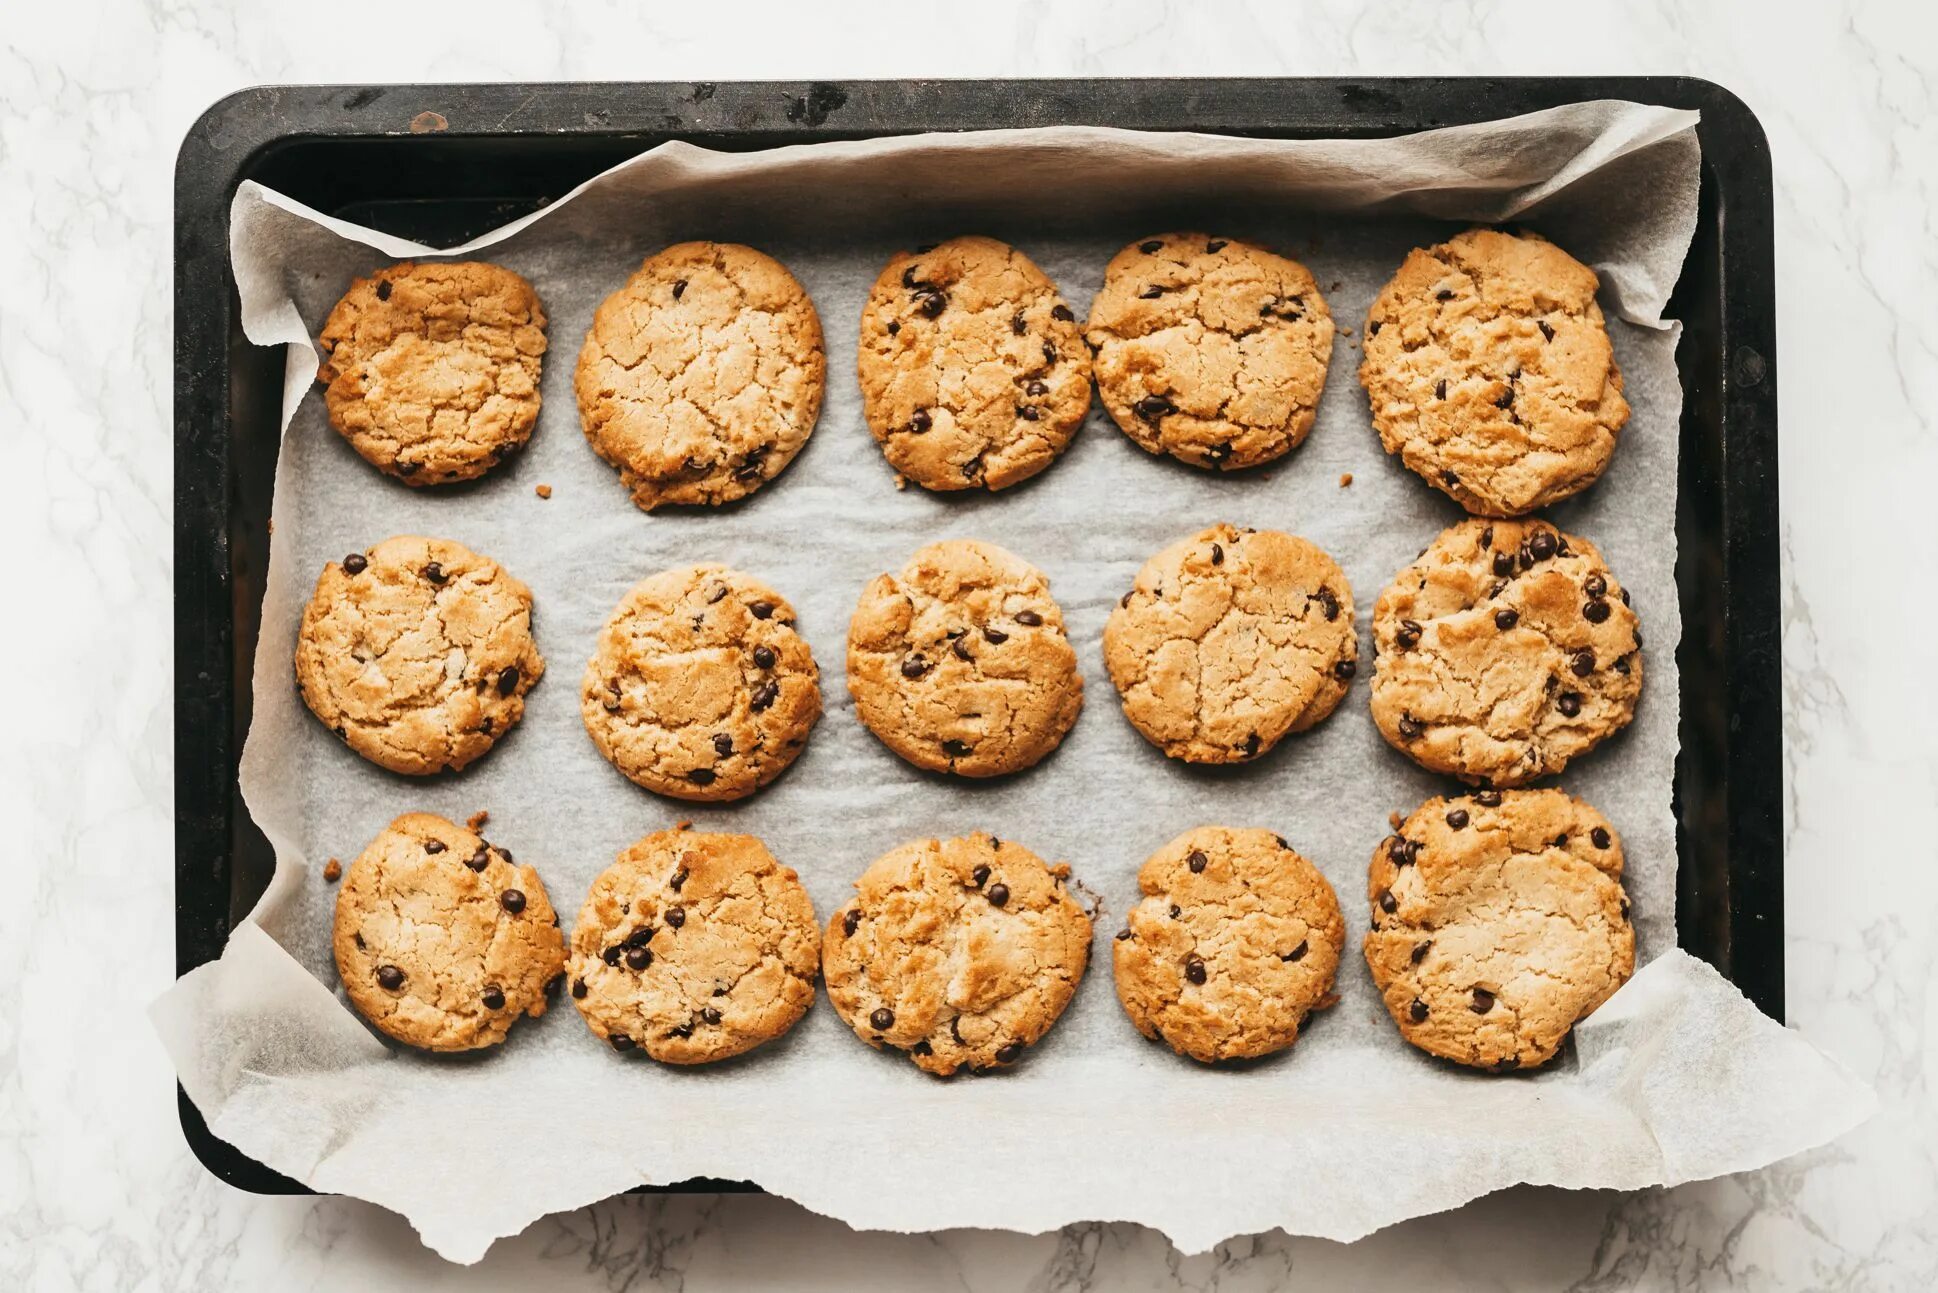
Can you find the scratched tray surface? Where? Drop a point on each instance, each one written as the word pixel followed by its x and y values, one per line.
pixel 324 148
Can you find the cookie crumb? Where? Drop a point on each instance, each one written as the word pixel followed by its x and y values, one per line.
pixel 901 481
pixel 543 491
pixel 1394 819
pixel 477 820
pixel 686 825
pixel 332 869
pixel 1345 479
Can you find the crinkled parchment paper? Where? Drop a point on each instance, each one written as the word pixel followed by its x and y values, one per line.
pixel 1677 1078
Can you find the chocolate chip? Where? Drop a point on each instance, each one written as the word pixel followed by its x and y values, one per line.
pixel 1062 311
pixel 1297 953
pixel 480 860
pixel 356 563
pixel 980 876
pixel 1028 619
pixel 1417 1011
pixel 1387 902
pixel 1345 669
pixel 761 610
pixel 679 289
pixel 1374 327
pixel 1153 407
pixel 1411 728
pixel 764 695
pixel 1149 247
pixel 494 998
pixel 1218 453
pixel 1599 837
pixel 1582 662
pixel 383 289
pixel 1506 618
pixel 709 1015
pixel 1035 387
pixel 961 649
pixel 1402 851
pixel 956 749
pixel 612 954
pixel 640 937
pixel 1123 934
pixel 1625 600
pixel 1440 389
pixel 638 958
pixel 1151 293
pixel 1457 818
pixel 1329 603
pixel 1507 1065
pixel 1595 611
pixel 1010 1054
pixel 1251 744
pixel 675 917
pixel 914 666
pixel 578 989
pixel 1621 665
pixel 389 978
pixel 932 304
pixel 700 776
pixel 1124 601
pixel 972 468
pixel 512 900
pixel 1028 412
pixel 1569 703
pixel 718 592
pixel 1409 635
pixel 1541 545
pixel 621 1043
pixel 1488 798
pixel 882 1019
pixel 910 281
pixel 508 680
pixel 996 637
pixel 1018 324
pixel 434 846
pixel 850 923
pixel 1624 909
pixel 1595 586
pixel 1194 969
pixel 1483 1001
pixel 434 571
pixel 1420 951
pixel 919 422
pixel 1176 911
pixel 1197 861
pixel 1215 245
pixel 1049 355
pixel 764 657
pixel 998 894
pixel 1506 399
pixel 1217 554
pixel 1546 332
pixel 409 469
pixel 1561 840
pixel 1503 564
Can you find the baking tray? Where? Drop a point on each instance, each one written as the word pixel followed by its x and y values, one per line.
pixel 441 164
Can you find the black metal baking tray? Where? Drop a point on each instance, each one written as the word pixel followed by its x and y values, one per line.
pixel 440 164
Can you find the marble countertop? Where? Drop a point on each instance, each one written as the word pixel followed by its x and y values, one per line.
pixel 97 1189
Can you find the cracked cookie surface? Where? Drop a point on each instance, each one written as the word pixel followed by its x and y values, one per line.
pixel 431 371
pixel 960 662
pixel 700 688
pixel 1499 921
pixel 417 653
pixel 961 953
pixel 1504 651
pixel 1236 940
pixel 701 378
pixel 1209 349
pixel 973 372
pixel 1490 373
pixel 694 947
pixel 1229 641
pixel 441 940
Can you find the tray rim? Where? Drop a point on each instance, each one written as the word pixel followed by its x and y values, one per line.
pixel 233 136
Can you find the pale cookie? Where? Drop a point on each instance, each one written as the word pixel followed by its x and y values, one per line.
pixel 1498 922
pixel 417 653
pixel 1490 372
pixel 960 662
pixel 1505 650
pixel 973 373
pixel 441 940
pixel 693 948
pixel 960 952
pixel 700 688
pixel 1209 349
pixel 1236 941
pixel 431 371
pixel 701 378
pixel 1229 641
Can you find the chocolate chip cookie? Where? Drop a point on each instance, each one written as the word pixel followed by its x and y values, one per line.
pixel 441 940
pixel 973 372
pixel 1490 372
pixel 694 947
pixel 1236 941
pixel 960 952
pixel 1209 349
pixel 701 378
pixel 960 662
pixel 431 371
pixel 1229 641
pixel 1498 922
pixel 700 688
pixel 1505 650
pixel 417 653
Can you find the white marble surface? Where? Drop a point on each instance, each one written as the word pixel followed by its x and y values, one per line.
pixel 96 1188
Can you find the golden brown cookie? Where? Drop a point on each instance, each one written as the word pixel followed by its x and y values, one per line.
pixel 1230 640
pixel 1236 941
pixel 701 378
pixel 1505 650
pixel 1490 372
pixel 1211 350
pixel 694 947
pixel 700 688
pixel 960 952
pixel 441 941
pixel 417 653
pixel 960 662
pixel 1498 922
pixel 431 371
pixel 973 373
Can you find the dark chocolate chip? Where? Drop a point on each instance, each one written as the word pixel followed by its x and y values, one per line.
pixel 1457 818
pixel 1506 618
pixel 972 468
pixel 1049 354
pixel 1488 798
pixel 512 900
pixel 675 917
pixel 1217 554
pixel 1440 389
pixel 1010 1054
pixel 1582 662
pixel 1402 851
pixel 389 978
pixel 882 1019
pixel 480 860
pixel 641 936
pixel 1624 909
pixel 1411 728
pixel 494 998
pixel 1621 665
pixel 1329 603
pixel 578 989
pixel 764 657
pixel 1028 619
pixel 1035 387
pixel 1345 669
pixel 1417 1011
pixel 1176 911
pixel 1503 564
pixel 383 289
pixel 1215 245
pixel 1569 703
pixel 1420 951
pixel 932 304
pixel 761 610
pixel 709 1015
pixel 1387 902
pixel 621 1043
pixel 1151 293
pixel 919 422
pixel 1062 311
pixel 1409 635
pixel 764 695
pixel 1194 969
pixel 850 923
pixel 1599 837
pixel 914 666
pixel 679 289
pixel 1197 860
pixel 1149 247
pixel 998 894
pixel 409 469
pixel 1153 407
pixel 1595 611
pixel 718 592
pixel 996 637
pixel 433 846
pixel 1028 412
pixel 1374 327
pixel 700 776
pixel 612 954
pixel 356 563
pixel 1123 934
pixel 1595 586
pixel 956 749
pixel 638 958
pixel 1297 953
pixel 961 649
pixel 1018 324
pixel 508 680
pixel 434 571
pixel 1252 743
pixel 1444 294
pixel 1483 1001
pixel 1541 545
pixel 1546 332
pixel 1506 399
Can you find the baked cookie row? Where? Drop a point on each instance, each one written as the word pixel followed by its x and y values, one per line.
pixel 1486 363
pixel 1498 922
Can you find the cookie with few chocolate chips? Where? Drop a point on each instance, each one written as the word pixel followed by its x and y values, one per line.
pixel 1208 349
pixel 700 688
pixel 960 662
pixel 694 947
pixel 1235 943
pixel 431 371
pixel 1490 372
pixel 701 378
pixel 961 953
pixel 441 940
pixel 1229 641
pixel 973 373
pixel 1499 922
pixel 417 653
pixel 1504 651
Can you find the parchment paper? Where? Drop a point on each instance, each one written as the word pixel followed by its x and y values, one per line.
pixel 1678 1077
